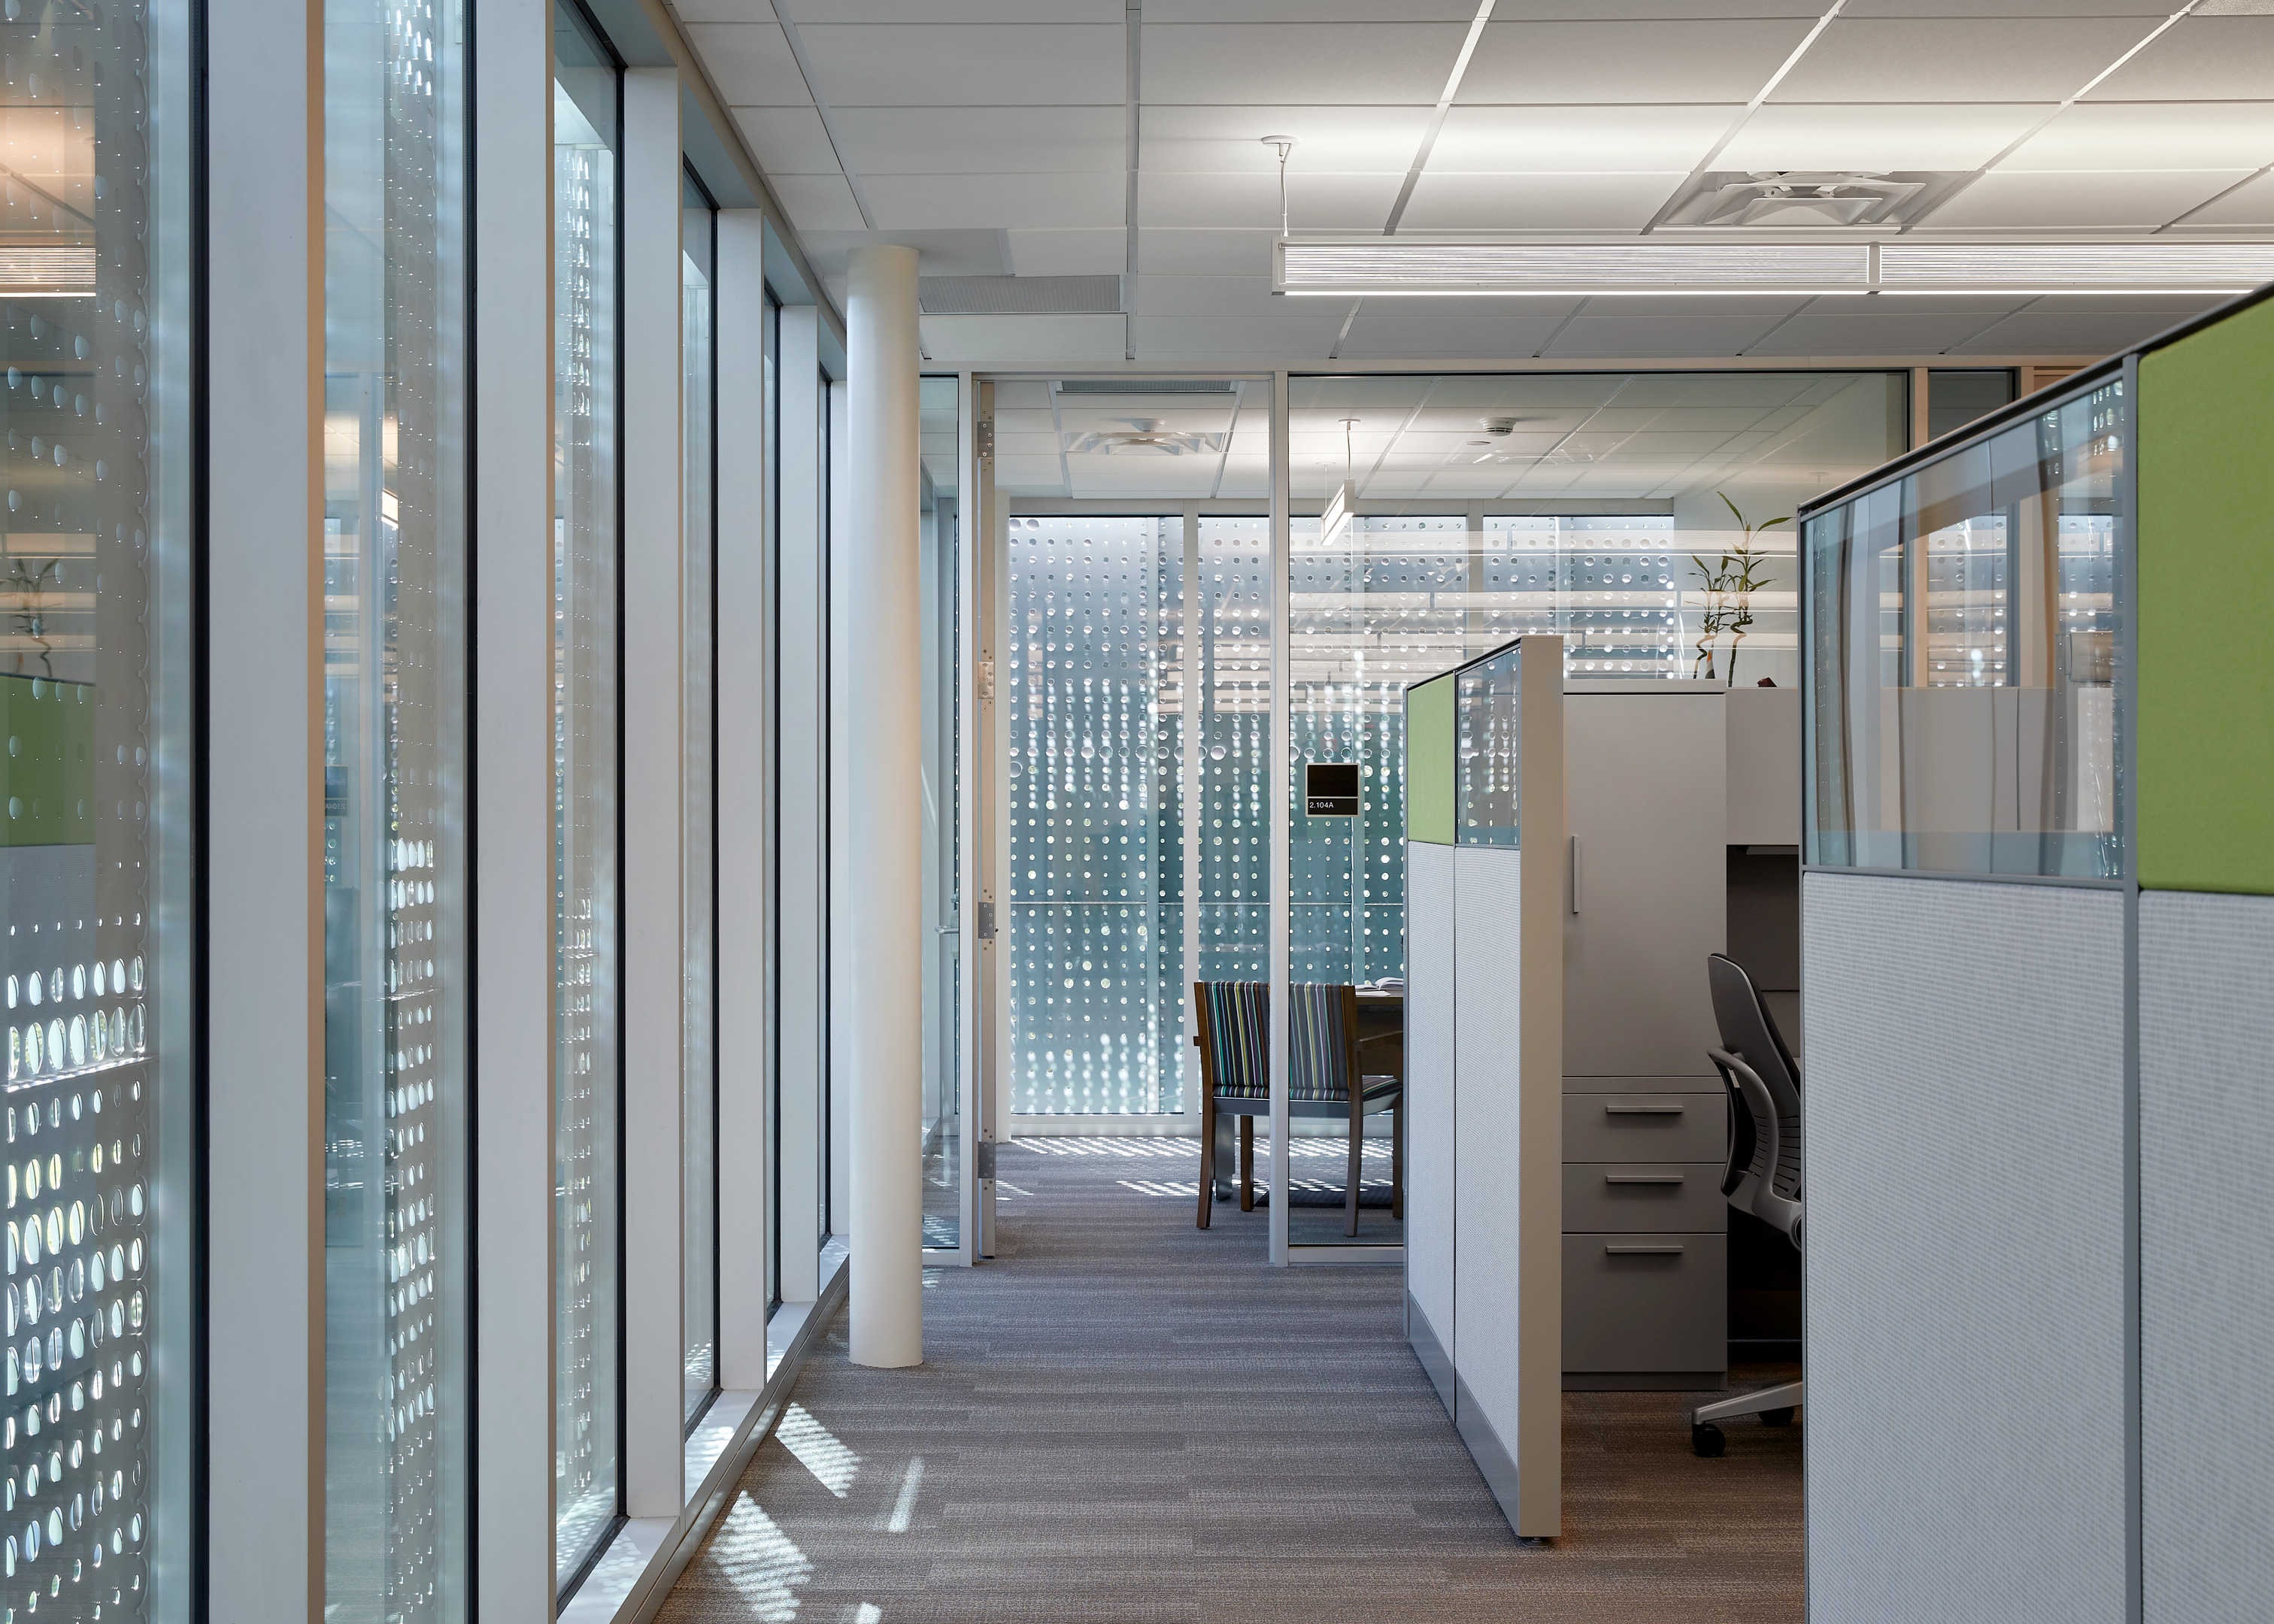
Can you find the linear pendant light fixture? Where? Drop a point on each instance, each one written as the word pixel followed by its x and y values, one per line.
pixel 1375 266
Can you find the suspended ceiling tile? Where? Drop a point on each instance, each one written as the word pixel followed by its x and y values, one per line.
pixel 959 252
pixel 2080 200
pixel 1959 58
pixel 808 11
pixel 1219 140
pixel 1577 138
pixel 1648 62
pixel 1456 202
pixel 2155 11
pixel 2153 135
pixel 1085 251
pixel 1444 338
pixel 1653 11
pixel 1899 333
pixel 1310 11
pixel 1314 202
pixel 723 11
pixel 971 65
pixel 818 202
pixel 1163 251
pixel 786 140
pixel 1005 340
pixel 2031 334
pixel 1244 65
pixel 2250 204
pixel 1211 295
pixel 1288 338
pixel 1029 476
pixel 1959 136
pixel 2198 59
pixel 750 63
pixel 1592 334
pixel 919 202
pixel 981 140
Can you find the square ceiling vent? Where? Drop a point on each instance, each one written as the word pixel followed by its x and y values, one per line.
pixel 1810 199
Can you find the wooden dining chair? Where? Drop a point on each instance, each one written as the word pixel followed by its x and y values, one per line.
pixel 1232 1029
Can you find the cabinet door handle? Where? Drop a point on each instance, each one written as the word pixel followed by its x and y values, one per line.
pixel 1642 1178
pixel 1642 1252
pixel 1642 1110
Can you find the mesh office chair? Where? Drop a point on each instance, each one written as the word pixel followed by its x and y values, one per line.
pixel 1764 1174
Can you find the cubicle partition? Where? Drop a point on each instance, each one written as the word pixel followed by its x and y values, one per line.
pixel 1484 1061
pixel 2037 950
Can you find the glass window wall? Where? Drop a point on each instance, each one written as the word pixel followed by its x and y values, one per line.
pixel 770 383
pixel 1962 620
pixel 699 1074
pixel 942 1124
pixel 98 833
pixel 587 773
pixel 394 805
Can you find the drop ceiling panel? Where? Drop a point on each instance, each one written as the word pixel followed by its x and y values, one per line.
pixel 1240 65
pixel 955 11
pixel 750 63
pixel 1950 136
pixel 940 202
pixel 1596 333
pixel 2198 58
pixel 960 253
pixel 1289 338
pixel 723 12
pixel 2250 204
pixel 2031 334
pixel 1003 341
pixel 1898 333
pixel 786 140
pixel 2087 201
pixel 974 65
pixel 1310 11
pixel 1316 202
pixel 1611 62
pixel 1213 296
pixel 1456 202
pixel 982 140
pixel 2151 135
pixel 1056 252
pixel 1030 474
pixel 1958 58
pixel 2154 10
pixel 1169 251
pixel 818 202
pixel 1652 11
pixel 1223 139
pixel 1572 138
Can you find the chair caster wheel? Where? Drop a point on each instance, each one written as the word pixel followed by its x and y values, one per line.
pixel 1707 1439
pixel 1776 1417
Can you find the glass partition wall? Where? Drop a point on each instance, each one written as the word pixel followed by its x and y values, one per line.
pixel 698 1004
pixel 939 554
pixel 587 777
pixel 396 1319
pixel 96 1430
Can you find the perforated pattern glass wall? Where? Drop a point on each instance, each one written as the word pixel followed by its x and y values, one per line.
pixel 394 805
pixel 1232 597
pixel 587 752
pixel 1095 974
pixel 95 830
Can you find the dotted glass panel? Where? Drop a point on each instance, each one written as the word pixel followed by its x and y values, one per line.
pixel 1094 642
pixel 91 682
pixel 585 684
pixel 1233 601
pixel 395 1061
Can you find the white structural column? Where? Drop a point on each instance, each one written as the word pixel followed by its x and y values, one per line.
pixel 513 812
pixel 745 748
pixel 263 498
pixel 654 1350
pixel 885 817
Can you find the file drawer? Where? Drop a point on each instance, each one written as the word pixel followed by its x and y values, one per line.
pixel 1643 1195
pixel 1645 1302
pixel 1645 1127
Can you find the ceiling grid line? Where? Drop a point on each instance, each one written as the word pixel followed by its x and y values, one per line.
pixel 797 43
pixel 1437 119
pixel 1755 342
pixel 1704 165
pixel 2018 142
pixel 1997 321
pixel 1335 353
pixel 2216 197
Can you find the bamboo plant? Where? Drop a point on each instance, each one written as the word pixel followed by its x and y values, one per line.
pixel 1729 587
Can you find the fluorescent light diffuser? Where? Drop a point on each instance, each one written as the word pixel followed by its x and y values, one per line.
pixel 1375 266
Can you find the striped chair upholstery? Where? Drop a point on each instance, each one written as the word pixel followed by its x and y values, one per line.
pixel 1238 1027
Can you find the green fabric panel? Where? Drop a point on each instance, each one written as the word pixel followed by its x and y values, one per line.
pixel 1429 761
pixel 47 777
pixel 2205 751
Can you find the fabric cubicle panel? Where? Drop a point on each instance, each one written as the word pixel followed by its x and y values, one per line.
pixel 1965 1264
pixel 2206 1231
pixel 1432 1105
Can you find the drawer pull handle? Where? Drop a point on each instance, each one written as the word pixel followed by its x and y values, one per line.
pixel 1643 1252
pixel 1642 1110
pixel 1642 1178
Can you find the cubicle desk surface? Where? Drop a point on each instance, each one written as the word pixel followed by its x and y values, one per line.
pixel 1126 1418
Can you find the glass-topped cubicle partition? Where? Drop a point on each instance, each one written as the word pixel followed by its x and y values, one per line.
pixel 1488 751
pixel 1962 618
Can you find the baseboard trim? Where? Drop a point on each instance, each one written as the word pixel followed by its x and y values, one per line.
pixel 1645 1381
pixel 1435 1361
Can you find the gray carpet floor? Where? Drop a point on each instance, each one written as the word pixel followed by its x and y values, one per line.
pixel 1126 1418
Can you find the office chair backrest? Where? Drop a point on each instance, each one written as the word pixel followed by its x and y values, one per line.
pixel 1322 1031
pixel 1750 1032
